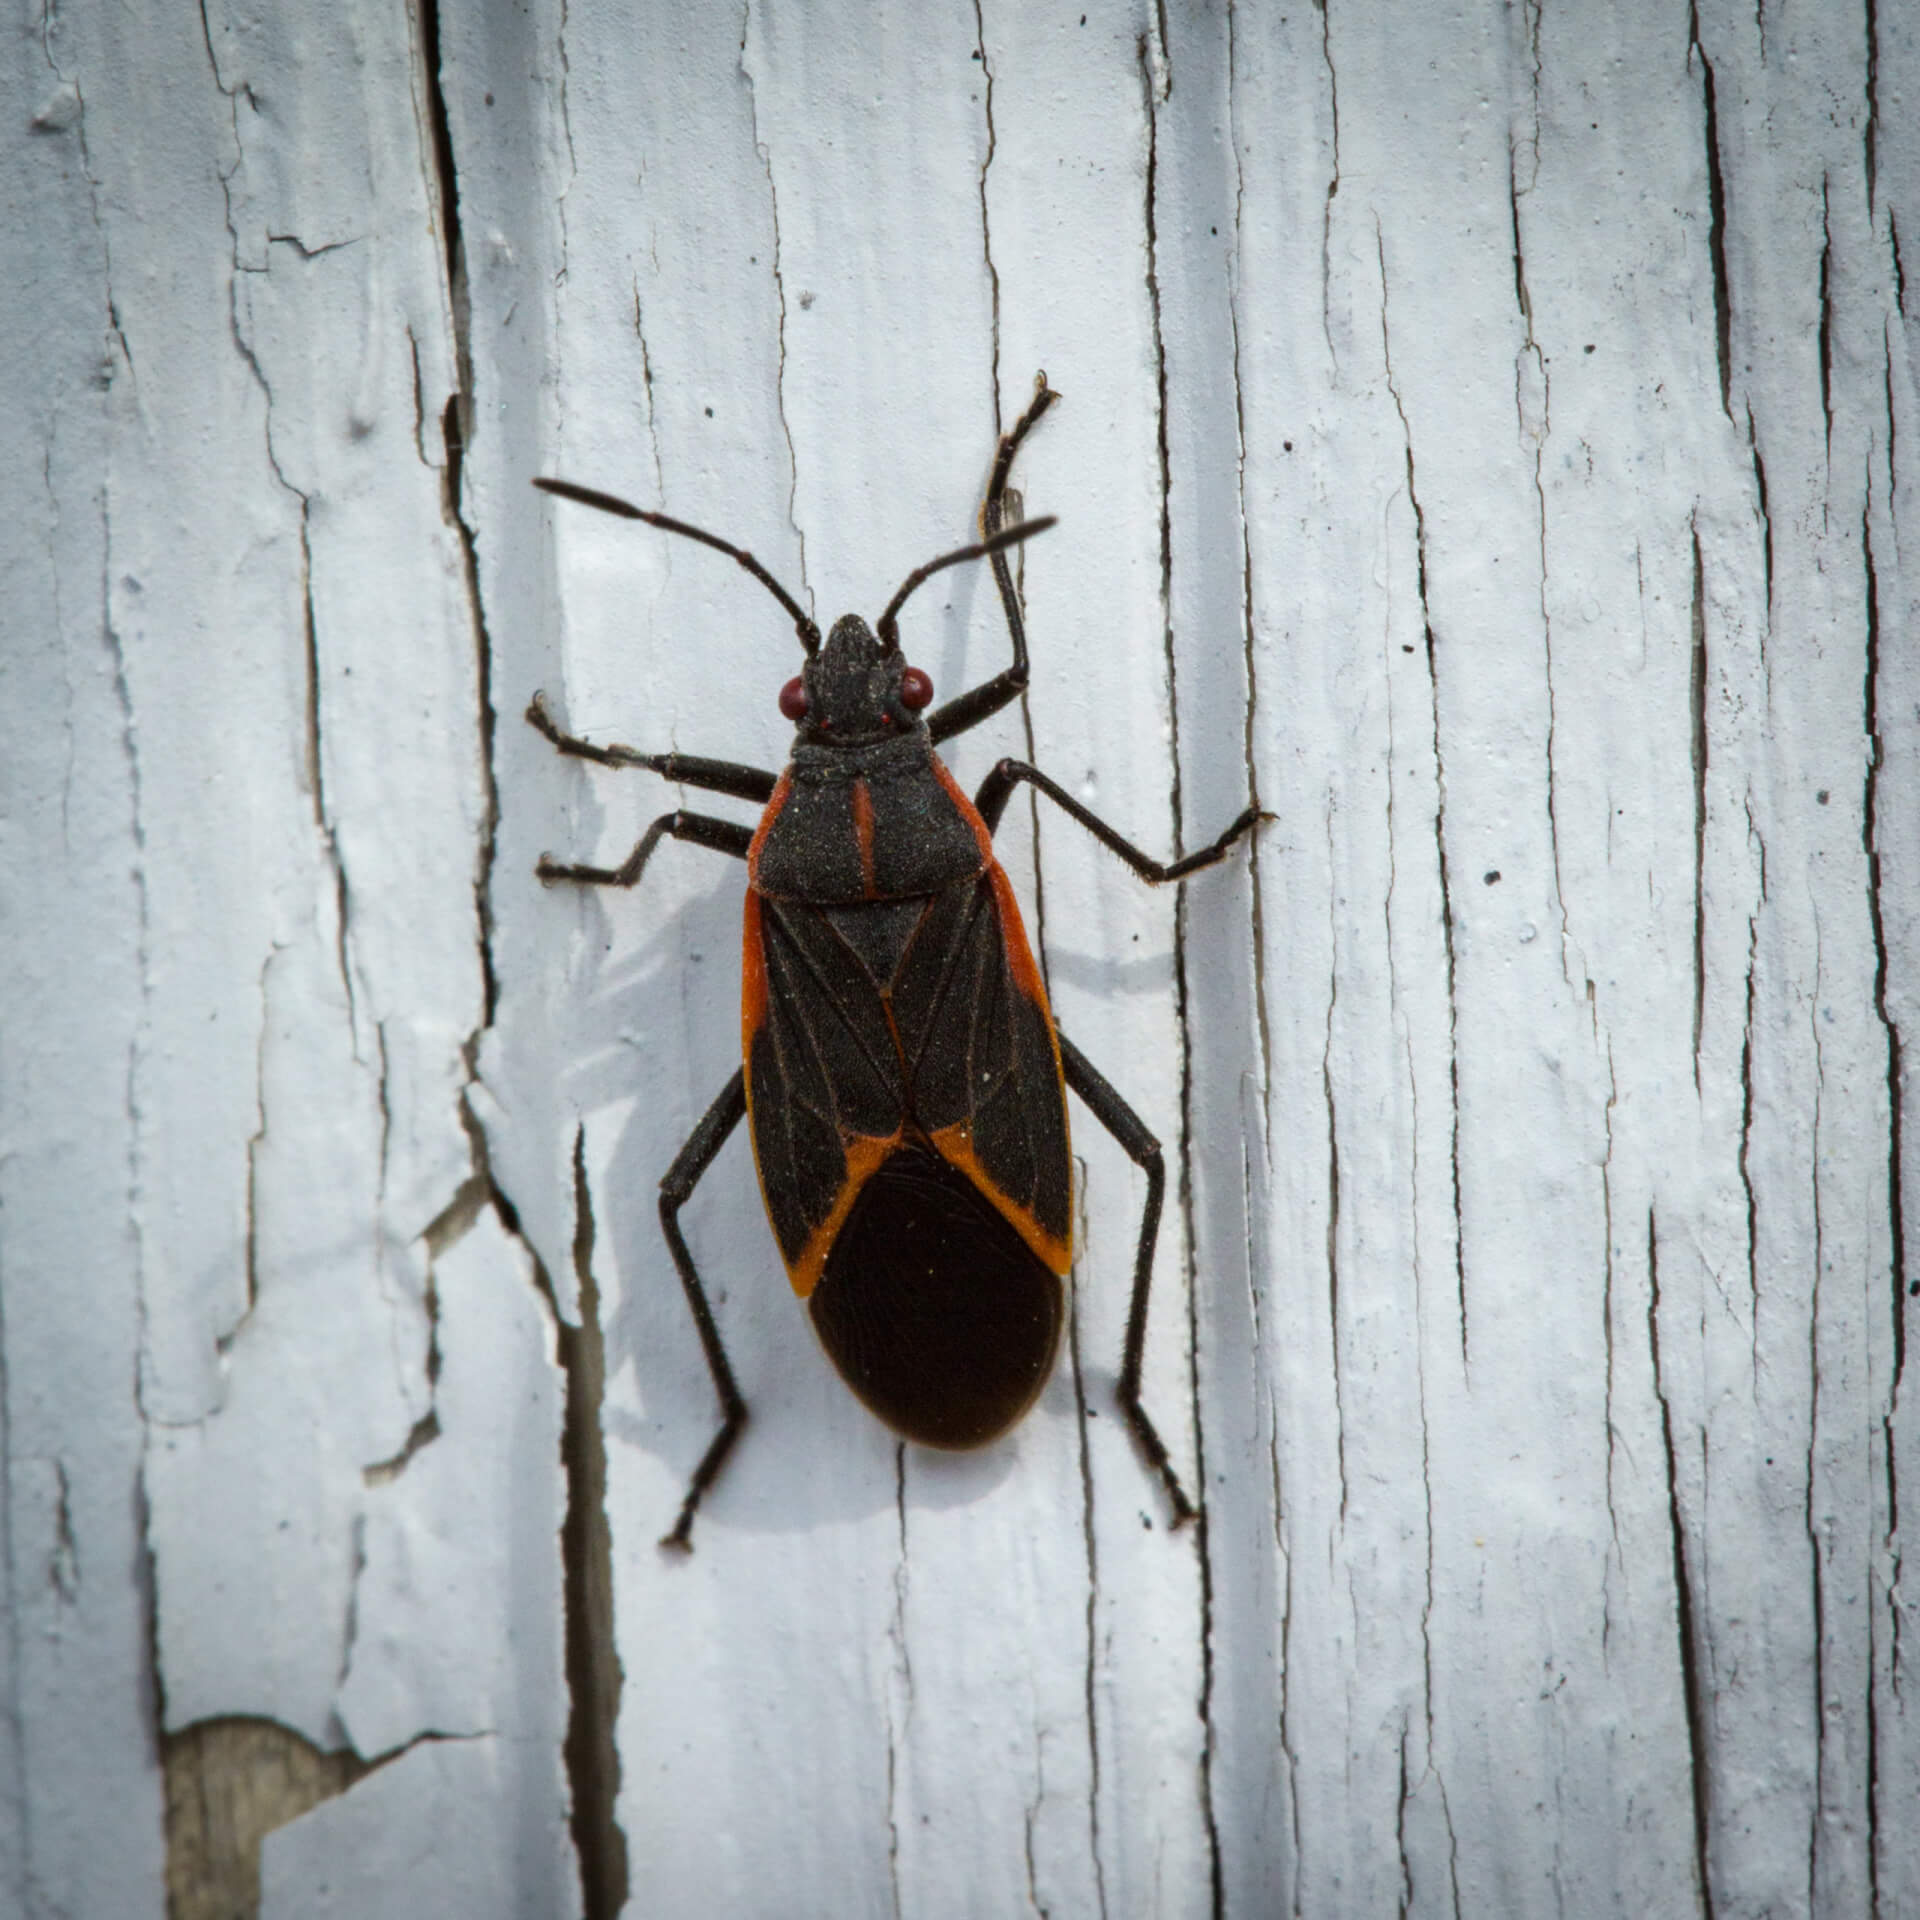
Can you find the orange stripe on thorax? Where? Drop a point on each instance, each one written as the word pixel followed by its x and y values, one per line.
pixel 778 799
pixel 863 835
pixel 964 807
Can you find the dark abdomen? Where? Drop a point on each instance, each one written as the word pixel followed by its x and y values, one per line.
pixel 934 1310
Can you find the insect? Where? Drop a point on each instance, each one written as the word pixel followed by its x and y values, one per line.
pixel 902 1077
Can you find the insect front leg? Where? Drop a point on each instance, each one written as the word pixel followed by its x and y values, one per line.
pixel 685 769
pixel 723 836
pixel 1143 1150
pixel 997 788
pixel 676 1189
pixel 982 702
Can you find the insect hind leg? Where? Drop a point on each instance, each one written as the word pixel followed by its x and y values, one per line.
pixel 676 1188
pixel 1143 1150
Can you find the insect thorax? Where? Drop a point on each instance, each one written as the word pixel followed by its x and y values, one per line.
pixel 866 823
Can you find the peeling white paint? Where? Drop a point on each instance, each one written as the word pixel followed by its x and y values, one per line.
pixel 76 1701
pixel 1484 442
pixel 458 1583
pixel 285 641
pixel 451 1828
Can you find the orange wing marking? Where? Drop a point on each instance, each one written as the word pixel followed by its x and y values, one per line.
pixel 1013 936
pixel 778 799
pixel 865 1155
pixel 954 1144
pixel 753 979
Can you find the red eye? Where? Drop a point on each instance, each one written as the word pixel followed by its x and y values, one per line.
pixel 915 689
pixel 793 700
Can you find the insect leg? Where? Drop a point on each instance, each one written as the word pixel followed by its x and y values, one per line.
pixel 689 770
pixel 998 786
pixel 1143 1150
pixel 979 703
pixel 723 836
pixel 682 1177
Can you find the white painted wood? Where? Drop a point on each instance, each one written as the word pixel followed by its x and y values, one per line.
pixel 414 1838
pixel 75 1729
pixel 242 1276
pixel 1485 441
pixel 73 1652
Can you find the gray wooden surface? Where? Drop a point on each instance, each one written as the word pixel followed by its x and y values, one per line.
pixel 1486 442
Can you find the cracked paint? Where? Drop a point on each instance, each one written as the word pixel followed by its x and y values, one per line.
pixel 1698 703
pixel 1717 209
pixel 747 18
pixel 77 1725
pixel 354 1068
pixel 344 1134
pixel 593 1661
pixel 1440 802
pixel 1698 1718
pixel 1870 835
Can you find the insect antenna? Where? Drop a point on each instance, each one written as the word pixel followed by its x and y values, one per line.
pixel 612 503
pixel 888 626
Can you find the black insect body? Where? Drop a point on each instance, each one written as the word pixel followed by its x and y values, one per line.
pixel 902 1077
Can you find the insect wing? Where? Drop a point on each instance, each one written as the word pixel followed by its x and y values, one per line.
pixel 984 1082
pixel 825 1095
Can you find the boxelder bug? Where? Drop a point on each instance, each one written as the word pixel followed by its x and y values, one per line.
pixel 903 1079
